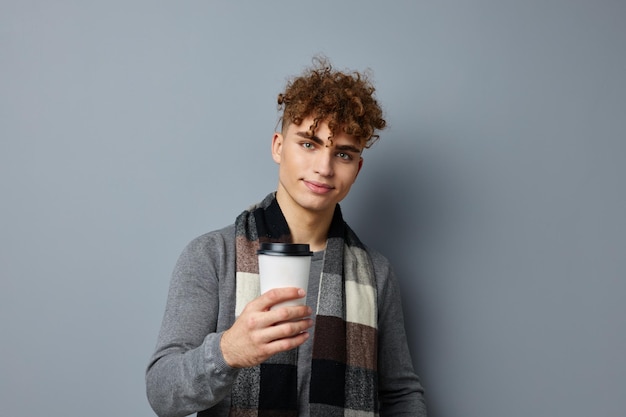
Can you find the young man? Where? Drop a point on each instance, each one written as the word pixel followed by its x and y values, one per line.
pixel 223 352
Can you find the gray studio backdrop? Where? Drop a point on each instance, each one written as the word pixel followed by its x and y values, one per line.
pixel 129 127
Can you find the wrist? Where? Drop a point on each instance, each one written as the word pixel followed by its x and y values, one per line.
pixel 225 351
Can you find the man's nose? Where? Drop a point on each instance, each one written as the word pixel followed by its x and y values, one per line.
pixel 324 163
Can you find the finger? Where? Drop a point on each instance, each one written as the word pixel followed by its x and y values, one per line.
pixel 278 295
pixel 282 345
pixel 251 319
pixel 287 343
pixel 269 318
pixel 286 330
pixel 288 313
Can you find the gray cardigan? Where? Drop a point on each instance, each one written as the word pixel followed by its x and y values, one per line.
pixel 187 372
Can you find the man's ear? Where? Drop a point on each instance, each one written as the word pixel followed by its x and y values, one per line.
pixel 360 166
pixel 277 146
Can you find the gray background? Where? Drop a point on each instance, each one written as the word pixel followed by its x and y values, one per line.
pixel 129 127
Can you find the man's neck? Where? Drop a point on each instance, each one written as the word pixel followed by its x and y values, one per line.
pixel 307 226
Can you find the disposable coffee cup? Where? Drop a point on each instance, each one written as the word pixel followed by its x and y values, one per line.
pixel 284 265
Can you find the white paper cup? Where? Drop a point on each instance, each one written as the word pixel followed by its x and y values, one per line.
pixel 284 265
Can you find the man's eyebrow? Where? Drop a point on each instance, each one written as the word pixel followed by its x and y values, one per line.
pixel 313 138
pixel 348 148
pixel 342 148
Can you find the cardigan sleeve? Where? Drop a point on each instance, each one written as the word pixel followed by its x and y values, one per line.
pixel 188 373
pixel 400 390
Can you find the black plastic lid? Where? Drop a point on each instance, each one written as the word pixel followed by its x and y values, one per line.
pixel 287 249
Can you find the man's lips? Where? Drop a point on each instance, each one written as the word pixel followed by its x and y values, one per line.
pixel 318 187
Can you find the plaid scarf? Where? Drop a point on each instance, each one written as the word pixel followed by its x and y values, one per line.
pixel 344 364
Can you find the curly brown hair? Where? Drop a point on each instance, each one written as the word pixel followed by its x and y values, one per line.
pixel 344 99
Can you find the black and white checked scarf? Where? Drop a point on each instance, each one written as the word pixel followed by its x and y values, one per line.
pixel 344 364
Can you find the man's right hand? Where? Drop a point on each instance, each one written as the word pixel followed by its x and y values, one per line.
pixel 258 333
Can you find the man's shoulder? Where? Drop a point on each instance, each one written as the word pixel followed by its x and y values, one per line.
pixel 380 262
pixel 374 253
pixel 224 232
pixel 218 238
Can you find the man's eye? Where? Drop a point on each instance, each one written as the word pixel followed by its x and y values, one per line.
pixel 344 155
pixel 307 145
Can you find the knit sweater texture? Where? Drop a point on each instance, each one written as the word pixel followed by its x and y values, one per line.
pixel 187 373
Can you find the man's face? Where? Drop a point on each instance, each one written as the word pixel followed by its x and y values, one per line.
pixel 314 173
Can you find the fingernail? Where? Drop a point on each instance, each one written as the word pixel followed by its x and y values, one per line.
pixel 301 292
